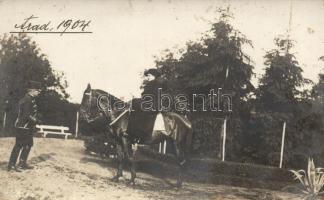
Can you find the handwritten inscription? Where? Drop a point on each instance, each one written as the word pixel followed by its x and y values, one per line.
pixel 30 25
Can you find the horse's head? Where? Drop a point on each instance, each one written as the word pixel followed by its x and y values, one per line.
pixel 97 103
pixel 87 104
pixel 91 105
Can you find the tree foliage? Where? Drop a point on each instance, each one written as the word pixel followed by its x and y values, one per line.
pixel 279 88
pixel 217 60
pixel 21 61
pixel 280 98
pixel 255 126
pixel 318 93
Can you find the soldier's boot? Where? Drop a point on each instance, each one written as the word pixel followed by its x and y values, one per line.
pixel 13 167
pixel 24 165
pixel 13 159
pixel 23 158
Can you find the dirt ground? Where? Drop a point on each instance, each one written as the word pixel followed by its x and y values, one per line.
pixel 64 171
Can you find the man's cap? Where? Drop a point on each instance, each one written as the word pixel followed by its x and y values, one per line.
pixel 34 85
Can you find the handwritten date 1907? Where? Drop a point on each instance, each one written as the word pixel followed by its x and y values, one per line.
pixel 65 26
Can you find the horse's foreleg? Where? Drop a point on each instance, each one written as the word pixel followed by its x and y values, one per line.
pixel 130 156
pixel 133 171
pixel 120 156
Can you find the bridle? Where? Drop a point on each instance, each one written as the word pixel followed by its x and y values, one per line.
pixel 90 100
pixel 90 104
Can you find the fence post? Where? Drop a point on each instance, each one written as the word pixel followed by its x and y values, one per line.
pixel 224 139
pixel 282 143
pixel 77 125
pixel 4 120
pixel 164 147
pixel 160 147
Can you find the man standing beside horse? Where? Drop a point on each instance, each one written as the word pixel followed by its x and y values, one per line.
pixel 25 126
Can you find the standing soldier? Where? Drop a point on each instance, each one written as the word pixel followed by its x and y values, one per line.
pixel 25 126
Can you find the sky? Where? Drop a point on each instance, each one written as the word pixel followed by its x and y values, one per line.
pixel 127 35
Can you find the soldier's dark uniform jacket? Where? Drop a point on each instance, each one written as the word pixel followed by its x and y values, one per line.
pixel 26 120
pixel 25 127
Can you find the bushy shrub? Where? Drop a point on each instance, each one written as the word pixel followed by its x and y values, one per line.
pixel 102 145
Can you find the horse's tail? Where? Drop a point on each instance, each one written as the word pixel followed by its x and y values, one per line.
pixel 188 141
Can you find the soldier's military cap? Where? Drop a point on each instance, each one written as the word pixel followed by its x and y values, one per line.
pixel 34 85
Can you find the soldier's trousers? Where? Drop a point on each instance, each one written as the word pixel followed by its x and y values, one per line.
pixel 24 143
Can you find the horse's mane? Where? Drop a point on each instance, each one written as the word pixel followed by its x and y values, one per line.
pixel 100 91
pixel 114 98
pixel 184 120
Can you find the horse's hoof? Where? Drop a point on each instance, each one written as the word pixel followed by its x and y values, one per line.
pixel 115 178
pixel 179 186
pixel 130 183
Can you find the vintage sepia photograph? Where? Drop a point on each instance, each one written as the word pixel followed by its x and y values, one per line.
pixel 161 100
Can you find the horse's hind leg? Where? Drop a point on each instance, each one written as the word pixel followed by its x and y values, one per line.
pixel 180 170
pixel 181 161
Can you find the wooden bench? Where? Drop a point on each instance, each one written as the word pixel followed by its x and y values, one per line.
pixel 55 130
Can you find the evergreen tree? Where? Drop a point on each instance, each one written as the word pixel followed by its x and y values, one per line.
pixel 279 88
pixel 279 99
pixel 217 60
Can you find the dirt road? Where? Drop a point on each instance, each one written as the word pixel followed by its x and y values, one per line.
pixel 64 171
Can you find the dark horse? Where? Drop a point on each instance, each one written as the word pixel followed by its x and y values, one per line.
pixel 132 126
